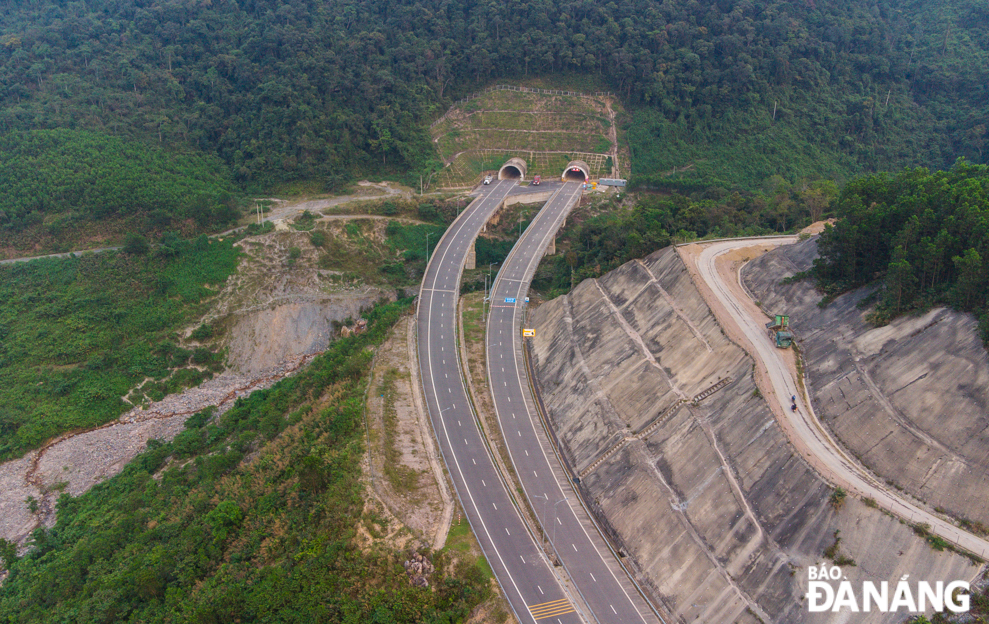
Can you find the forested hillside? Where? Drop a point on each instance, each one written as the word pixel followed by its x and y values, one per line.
pixel 305 90
pixel 253 516
pixel 79 175
pixel 924 234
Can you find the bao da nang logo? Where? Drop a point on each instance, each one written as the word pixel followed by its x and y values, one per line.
pixel 828 590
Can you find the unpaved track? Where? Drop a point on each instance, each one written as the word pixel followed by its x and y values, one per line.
pixel 745 323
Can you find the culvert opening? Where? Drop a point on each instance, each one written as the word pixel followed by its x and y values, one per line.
pixel 509 172
pixel 574 174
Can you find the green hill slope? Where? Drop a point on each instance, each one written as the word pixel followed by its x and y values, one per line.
pixel 287 91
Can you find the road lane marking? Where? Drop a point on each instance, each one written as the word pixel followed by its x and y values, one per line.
pixel 551 609
pixel 592 577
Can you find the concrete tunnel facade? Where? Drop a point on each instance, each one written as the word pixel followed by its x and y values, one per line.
pixel 513 169
pixel 577 171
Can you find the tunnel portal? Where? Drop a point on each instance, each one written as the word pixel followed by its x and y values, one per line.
pixel 513 169
pixel 576 171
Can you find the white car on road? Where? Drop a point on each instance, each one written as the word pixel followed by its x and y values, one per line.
pixel 487 179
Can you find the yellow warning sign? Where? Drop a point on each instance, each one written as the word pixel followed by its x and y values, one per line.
pixel 528 333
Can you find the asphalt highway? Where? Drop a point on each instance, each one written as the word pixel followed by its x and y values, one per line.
pixel 609 595
pixel 525 574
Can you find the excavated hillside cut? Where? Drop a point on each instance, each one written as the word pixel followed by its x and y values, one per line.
pixel 684 465
pixel 909 400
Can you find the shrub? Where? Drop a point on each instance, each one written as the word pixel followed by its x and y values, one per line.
pixel 136 245
pixel 837 498
pixel 203 332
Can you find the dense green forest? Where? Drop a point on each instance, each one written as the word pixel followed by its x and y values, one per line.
pixel 56 177
pixel 76 334
pixel 288 90
pixel 621 229
pixel 192 532
pixel 923 235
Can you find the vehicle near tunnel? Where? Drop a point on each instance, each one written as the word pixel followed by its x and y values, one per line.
pixel 576 171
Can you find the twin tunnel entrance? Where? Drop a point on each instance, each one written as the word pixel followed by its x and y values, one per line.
pixel 515 169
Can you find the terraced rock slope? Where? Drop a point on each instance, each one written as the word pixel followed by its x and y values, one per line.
pixel 719 517
pixel 909 400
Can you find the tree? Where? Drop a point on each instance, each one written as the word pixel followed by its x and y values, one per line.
pixel 818 198
pixel 971 279
pixel 900 281
pixel 136 245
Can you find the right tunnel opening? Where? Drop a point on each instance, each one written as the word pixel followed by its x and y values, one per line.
pixel 576 171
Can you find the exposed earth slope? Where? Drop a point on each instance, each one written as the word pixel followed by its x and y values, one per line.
pixel 718 513
pixel 909 400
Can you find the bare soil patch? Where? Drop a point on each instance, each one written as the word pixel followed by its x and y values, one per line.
pixel 402 449
pixel 272 316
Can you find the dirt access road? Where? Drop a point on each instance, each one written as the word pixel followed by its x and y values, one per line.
pixel 715 269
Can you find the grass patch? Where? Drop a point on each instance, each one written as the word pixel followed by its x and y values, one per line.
pixel 401 477
pixel 833 552
pixel 461 540
pixel 837 498
pixel 76 334
pixel 359 253
pixel 214 538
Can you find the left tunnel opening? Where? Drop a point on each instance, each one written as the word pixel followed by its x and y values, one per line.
pixel 513 169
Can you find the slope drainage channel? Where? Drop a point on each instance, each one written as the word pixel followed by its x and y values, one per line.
pixel 646 431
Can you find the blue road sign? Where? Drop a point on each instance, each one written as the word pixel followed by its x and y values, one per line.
pixel 509 299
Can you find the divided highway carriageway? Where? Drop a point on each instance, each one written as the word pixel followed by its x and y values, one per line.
pixel 603 585
pixel 523 571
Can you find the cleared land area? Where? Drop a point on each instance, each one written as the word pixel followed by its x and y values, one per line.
pixel 910 401
pixel 685 465
pixel 547 131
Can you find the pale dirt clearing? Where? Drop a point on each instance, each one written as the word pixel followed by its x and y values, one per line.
pixel 405 471
pixel 273 317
